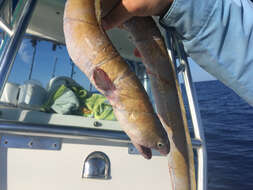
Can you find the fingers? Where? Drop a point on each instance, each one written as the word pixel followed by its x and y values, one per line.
pixel 117 16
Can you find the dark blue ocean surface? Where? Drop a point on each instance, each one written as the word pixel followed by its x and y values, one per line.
pixel 228 125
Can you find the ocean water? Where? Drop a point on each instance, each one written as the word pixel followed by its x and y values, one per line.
pixel 228 125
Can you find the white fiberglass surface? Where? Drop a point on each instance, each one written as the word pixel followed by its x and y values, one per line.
pixel 34 169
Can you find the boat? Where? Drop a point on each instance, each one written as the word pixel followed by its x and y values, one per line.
pixel 54 151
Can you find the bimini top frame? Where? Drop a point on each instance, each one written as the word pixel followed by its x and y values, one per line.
pixel 14 40
pixel 175 48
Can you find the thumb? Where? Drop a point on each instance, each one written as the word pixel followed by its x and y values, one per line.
pixel 117 16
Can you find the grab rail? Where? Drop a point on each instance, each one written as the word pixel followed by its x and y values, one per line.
pixel 58 131
pixel 178 49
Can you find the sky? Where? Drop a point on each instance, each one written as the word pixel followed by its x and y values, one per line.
pixel 44 63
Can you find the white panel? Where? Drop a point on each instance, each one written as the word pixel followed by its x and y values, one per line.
pixel 52 170
pixel 36 117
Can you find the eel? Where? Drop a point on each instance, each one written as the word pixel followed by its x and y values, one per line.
pixel 91 50
pixel 168 99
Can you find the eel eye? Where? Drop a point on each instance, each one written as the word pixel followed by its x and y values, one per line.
pixel 160 145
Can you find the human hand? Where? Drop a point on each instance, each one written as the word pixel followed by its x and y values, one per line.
pixel 125 9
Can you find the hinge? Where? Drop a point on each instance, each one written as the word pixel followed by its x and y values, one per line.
pixel 30 142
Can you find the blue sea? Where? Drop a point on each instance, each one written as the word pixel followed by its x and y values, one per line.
pixel 228 126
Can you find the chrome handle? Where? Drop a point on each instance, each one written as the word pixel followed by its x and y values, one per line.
pixel 97 166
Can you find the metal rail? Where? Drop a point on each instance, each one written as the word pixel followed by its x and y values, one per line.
pixel 57 131
pixel 194 111
pixel 3 166
pixel 12 47
pixel 5 27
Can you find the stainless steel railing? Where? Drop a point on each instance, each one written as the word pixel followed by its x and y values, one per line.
pixel 58 131
pixel 16 36
pixel 194 110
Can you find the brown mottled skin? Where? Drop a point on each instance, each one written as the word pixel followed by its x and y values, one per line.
pixel 168 99
pixel 93 53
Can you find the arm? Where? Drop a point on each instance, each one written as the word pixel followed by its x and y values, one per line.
pixel 218 35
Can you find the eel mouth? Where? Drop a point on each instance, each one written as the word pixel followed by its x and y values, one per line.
pixel 147 152
pixel 144 151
